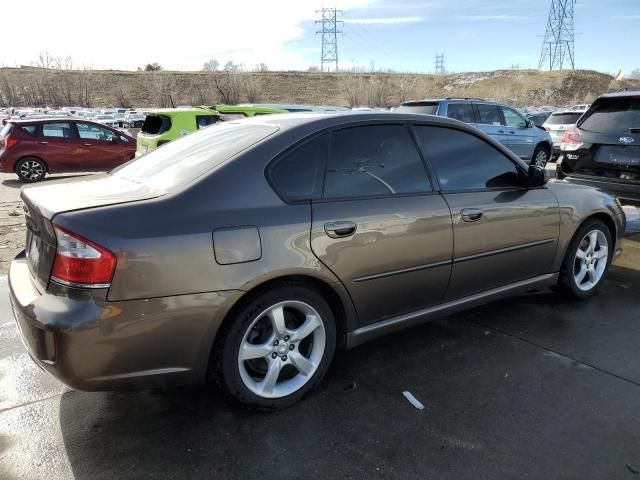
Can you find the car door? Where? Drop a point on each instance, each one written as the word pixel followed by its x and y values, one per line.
pixel 102 147
pixel 519 137
pixel 380 226
pixel 503 231
pixel 58 146
pixel 490 121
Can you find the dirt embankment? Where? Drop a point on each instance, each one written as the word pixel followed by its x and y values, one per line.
pixel 34 86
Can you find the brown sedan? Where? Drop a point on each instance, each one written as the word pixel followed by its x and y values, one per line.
pixel 249 251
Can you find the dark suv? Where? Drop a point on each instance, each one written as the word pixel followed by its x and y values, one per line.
pixel 604 149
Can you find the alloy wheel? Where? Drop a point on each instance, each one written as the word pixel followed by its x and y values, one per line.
pixel 591 260
pixel 31 170
pixel 541 158
pixel 282 349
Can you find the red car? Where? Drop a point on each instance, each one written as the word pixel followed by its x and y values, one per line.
pixel 33 148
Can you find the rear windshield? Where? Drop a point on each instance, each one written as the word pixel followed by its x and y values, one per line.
pixel 156 124
pixel 428 108
pixel 563 118
pixel 613 116
pixel 184 160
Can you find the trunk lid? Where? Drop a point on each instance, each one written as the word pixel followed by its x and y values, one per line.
pixel 41 203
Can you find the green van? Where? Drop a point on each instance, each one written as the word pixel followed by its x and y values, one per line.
pixel 166 124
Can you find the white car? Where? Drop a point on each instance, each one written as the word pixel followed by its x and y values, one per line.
pixel 134 120
pixel 560 122
pixel 108 120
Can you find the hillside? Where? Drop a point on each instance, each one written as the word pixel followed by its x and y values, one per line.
pixel 39 87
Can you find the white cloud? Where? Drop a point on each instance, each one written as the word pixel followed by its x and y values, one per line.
pixel 181 36
pixel 384 20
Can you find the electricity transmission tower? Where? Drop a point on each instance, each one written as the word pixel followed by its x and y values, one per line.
pixel 329 30
pixel 558 44
pixel 439 64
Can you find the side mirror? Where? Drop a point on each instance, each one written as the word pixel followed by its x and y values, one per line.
pixel 530 124
pixel 115 139
pixel 537 176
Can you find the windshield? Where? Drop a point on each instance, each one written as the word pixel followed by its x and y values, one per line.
pixel 563 118
pixel 428 108
pixel 184 160
pixel 613 116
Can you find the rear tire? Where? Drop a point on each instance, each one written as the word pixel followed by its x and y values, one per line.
pixel 541 155
pixel 276 348
pixel 31 169
pixel 587 260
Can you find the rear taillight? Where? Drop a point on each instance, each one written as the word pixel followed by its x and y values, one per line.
pixel 80 262
pixel 570 141
pixel 546 128
pixel 8 142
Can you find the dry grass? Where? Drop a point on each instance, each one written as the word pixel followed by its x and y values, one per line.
pixel 33 86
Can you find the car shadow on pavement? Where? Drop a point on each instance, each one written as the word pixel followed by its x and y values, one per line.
pixel 495 401
pixel 17 183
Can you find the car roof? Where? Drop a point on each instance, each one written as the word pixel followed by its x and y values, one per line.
pixel 182 110
pixel 628 93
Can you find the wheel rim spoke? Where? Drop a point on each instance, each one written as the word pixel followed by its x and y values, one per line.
pixel 302 363
pixel 276 315
pixel 268 383
pixel 251 351
pixel 601 253
pixel 581 254
pixel 593 241
pixel 581 274
pixel 310 324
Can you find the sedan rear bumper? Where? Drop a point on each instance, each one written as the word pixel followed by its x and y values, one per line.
pixel 90 343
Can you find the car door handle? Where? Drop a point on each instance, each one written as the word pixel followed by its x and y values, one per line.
pixel 500 131
pixel 340 229
pixel 87 144
pixel 43 143
pixel 471 214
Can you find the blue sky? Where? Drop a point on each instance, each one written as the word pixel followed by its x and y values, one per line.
pixel 485 35
pixel 402 35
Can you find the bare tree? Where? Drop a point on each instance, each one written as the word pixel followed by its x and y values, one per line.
pixel 153 67
pixel 253 89
pixel 211 66
pixel 229 86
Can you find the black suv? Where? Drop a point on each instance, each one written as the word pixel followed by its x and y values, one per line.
pixel 604 150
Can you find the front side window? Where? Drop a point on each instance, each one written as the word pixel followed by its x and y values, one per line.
pixel 87 131
pixel 57 130
pixel 513 118
pixel 462 161
pixel 462 112
pixel 488 114
pixel 298 175
pixel 373 161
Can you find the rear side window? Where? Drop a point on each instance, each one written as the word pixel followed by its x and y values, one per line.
pixel 298 175
pixel 565 118
pixel 29 129
pixel 613 116
pixel 156 124
pixel 462 112
pixel 428 108
pixel 57 130
pixel 205 120
pixel 374 160
pixel 488 114
pixel 463 161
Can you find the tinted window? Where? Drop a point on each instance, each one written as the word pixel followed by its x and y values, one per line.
pixel 156 124
pixel 298 175
pixel 613 115
pixel 428 108
pixel 488 114
pixel 205 120
pixel 463 161
pixel 29 129
pixel 374 160
pixel 58 130
pixel 513 118
pixel 184 160
pixel 89 131
pixel 462 112
pixel 564 118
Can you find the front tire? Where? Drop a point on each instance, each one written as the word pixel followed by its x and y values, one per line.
pixel 587 259
pixel 31 169
pixel 541 156
pixel 277 348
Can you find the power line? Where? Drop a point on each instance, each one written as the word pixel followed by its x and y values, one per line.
pixel 558 45
pixel 329 31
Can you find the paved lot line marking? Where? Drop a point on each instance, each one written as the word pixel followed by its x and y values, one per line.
pixel 413 400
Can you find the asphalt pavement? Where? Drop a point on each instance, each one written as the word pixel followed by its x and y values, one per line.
pixel 537 386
